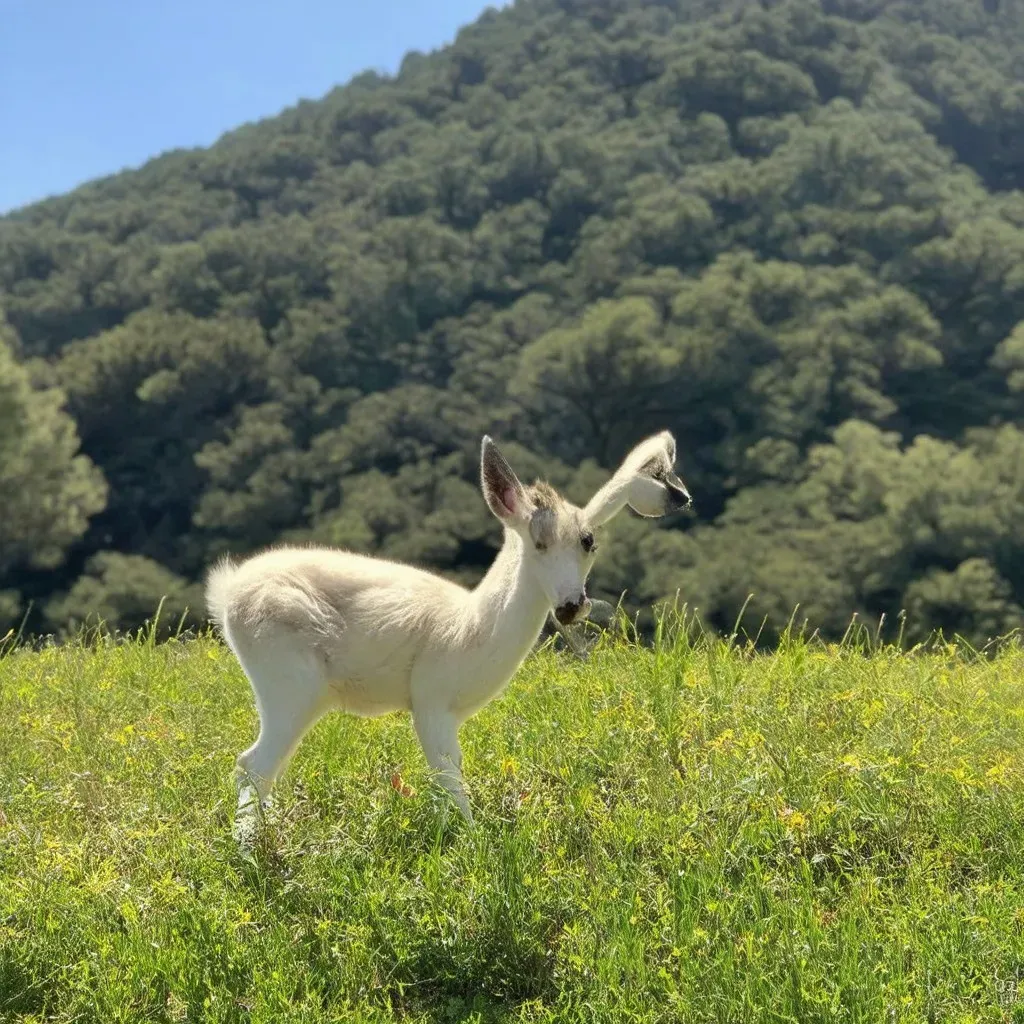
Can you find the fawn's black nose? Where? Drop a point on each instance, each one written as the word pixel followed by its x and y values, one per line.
pixel 570 611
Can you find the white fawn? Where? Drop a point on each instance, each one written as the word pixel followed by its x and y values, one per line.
pixel 317 629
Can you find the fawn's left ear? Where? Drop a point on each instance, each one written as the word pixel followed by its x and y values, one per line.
pixel 645 481
pixel 503 492
pixel 670 447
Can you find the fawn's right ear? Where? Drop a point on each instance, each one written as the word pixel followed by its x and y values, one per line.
pixel 502 490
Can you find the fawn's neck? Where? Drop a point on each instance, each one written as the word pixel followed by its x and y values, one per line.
pixel 509 605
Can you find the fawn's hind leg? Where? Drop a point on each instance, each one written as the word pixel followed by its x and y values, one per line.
pixel 288 683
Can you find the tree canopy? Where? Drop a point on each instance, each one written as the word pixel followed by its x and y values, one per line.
pixel 790 231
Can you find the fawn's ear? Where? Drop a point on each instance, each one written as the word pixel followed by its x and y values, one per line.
pixel 503 492
pixel 645 481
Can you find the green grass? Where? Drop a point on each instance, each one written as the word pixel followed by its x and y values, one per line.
pixel 691 832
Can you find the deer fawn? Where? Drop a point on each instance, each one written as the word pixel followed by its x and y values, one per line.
pixel 317 629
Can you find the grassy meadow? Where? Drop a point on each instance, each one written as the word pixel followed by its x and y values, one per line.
pixel 688 831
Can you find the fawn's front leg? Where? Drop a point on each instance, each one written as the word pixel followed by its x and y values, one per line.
pixel 438 732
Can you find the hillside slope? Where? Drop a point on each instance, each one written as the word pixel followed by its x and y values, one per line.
pixel 791 232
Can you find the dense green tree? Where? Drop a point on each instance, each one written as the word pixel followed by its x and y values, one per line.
pixel 49 489
pixel 147 396
pixel 118 591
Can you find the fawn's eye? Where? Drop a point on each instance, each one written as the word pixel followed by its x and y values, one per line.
pixel 587 540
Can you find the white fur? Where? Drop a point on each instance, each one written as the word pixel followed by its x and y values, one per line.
pixel 317 629
pixel 639 482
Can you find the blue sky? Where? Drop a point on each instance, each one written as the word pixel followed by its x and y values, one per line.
pixel 88 87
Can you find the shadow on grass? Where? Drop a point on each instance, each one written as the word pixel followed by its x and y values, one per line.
pixel 20 994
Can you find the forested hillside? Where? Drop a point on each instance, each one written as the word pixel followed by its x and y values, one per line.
pixel 792 232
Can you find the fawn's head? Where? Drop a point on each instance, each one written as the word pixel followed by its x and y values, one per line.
pixel 558 537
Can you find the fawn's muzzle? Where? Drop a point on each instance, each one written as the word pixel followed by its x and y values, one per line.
pixel 570 611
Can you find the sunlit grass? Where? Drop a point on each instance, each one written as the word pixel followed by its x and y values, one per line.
pixel 688 832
